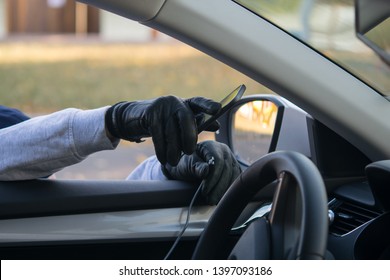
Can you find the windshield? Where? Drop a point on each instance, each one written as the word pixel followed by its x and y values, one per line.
pixel 329 27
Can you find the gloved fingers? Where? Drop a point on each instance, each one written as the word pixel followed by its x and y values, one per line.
pixel 173 129
pixel 154 121
pixel 158 138
pixel 210 152
pixel 199 118
pixel 215 176
pixel 207 150
pixel 215 189
pixel 203 105
pixel 222 173
pixel 172 141
pixel 190 168
pixel 201 169
pixel 214 126
pixel 186 129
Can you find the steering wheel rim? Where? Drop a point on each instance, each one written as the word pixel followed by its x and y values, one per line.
pixel 290 168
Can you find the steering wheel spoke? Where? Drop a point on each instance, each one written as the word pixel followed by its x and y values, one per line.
pixel 285 217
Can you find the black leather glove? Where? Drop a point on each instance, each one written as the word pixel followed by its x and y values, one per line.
pixel 169 120
pixel 212 161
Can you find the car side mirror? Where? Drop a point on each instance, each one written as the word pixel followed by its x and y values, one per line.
pixel 372 24
pixel 253 126
pixel 262 123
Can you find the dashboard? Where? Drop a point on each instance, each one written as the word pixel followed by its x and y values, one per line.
pixel 358 192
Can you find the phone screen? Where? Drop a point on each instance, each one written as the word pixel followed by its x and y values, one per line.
pixel 226 104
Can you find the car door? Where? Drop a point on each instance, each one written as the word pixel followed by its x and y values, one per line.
pixel 124 219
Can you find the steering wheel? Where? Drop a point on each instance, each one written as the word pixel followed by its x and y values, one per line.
pixel 295 228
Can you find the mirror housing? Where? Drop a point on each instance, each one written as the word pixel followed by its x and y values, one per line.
pixel 372 24
pixel 290 130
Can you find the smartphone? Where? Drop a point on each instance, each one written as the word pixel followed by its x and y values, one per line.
pixel 226 104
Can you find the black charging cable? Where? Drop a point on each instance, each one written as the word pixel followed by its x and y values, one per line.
pixel 210 162
pixel 186 223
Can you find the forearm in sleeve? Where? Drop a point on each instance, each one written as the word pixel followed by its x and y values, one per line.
pixel 43 145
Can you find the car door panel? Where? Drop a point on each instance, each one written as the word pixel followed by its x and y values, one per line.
pixel 45 197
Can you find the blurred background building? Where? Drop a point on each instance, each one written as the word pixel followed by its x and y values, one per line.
pixel 67 17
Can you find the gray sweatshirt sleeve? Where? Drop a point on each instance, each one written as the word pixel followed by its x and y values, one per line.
pixel 43 145
pixel 149 169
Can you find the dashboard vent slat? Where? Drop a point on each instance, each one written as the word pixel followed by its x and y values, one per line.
pixel 348 217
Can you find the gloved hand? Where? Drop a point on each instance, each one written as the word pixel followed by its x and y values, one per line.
pixel 169 120
pixel 212 161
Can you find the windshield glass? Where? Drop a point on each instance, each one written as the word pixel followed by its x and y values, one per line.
pixel 329 27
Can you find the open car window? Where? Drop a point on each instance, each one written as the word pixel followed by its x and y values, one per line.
pixel 45 75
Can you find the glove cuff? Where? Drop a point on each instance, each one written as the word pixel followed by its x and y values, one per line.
pixel 110 122
pixel 113 126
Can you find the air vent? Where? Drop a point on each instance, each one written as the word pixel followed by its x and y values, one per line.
pixel 348 217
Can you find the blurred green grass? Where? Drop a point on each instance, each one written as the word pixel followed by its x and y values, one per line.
pixel 43 77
